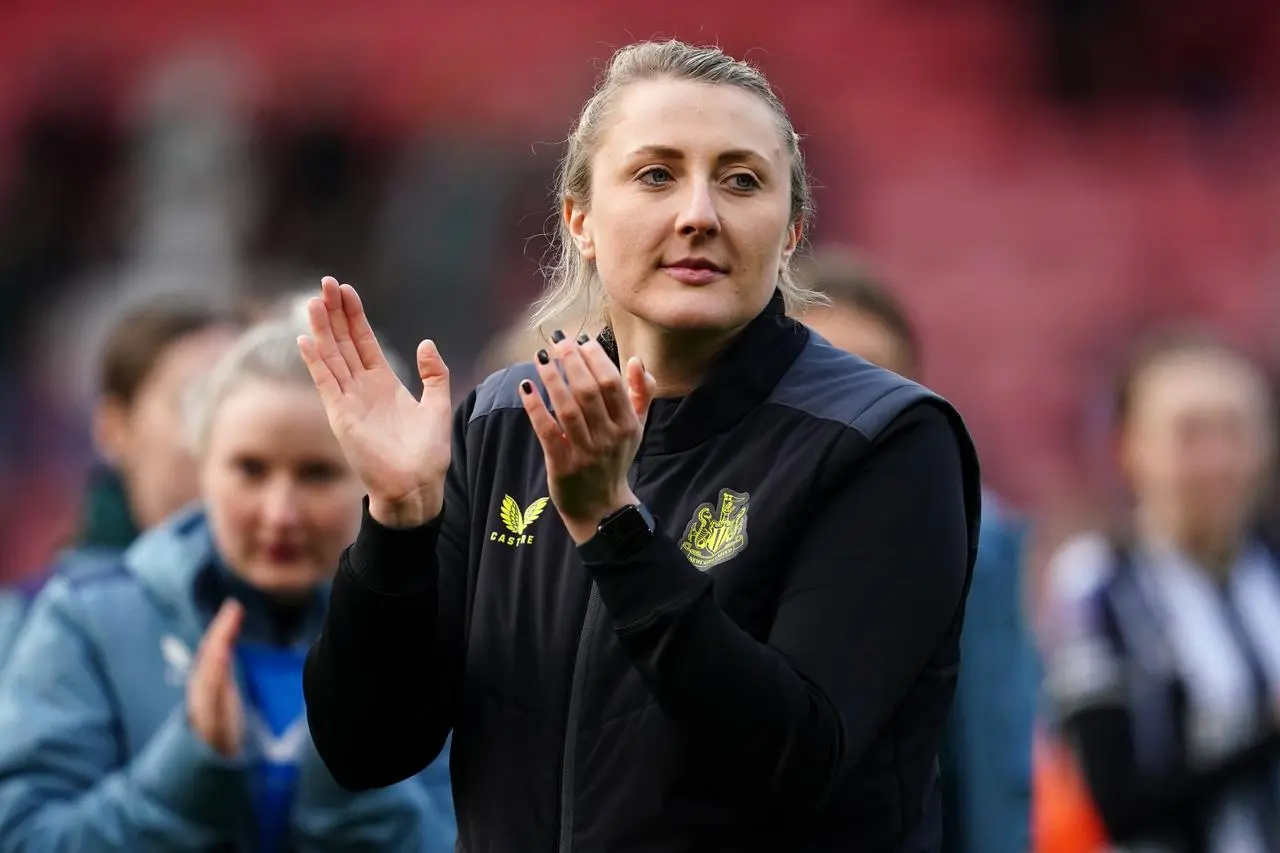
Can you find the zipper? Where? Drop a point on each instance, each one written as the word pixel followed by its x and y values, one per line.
pixel 585 637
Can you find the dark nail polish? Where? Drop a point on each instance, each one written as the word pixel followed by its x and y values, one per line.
pixel 526 386
pixel 582 339
pixel 557 336
pixel 543 358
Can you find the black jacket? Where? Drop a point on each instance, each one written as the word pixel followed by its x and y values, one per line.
pixel 773 672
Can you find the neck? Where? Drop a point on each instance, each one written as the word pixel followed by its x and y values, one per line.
pixel 1214 553
pixel 678 360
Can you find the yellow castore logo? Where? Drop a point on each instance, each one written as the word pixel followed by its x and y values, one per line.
pixel 517 522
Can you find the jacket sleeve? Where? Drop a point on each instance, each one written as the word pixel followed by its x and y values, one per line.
pixel 1093 686
pixel 872 590
pixel 397 606
pixel 62 786
pixel 13 610
pixel 407 816
pixel 989 732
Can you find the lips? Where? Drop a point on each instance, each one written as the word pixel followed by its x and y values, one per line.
pixel 694 271
pixel 282 553
pixel 693 263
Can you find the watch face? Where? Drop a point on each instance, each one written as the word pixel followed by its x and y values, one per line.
pixel 627 531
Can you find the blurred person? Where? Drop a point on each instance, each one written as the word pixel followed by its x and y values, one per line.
pixel 1164 641
pixel 154 354
pixel 152 358
pixel 154 702
pixel 769 667
pixel 863 317
pixel 986 753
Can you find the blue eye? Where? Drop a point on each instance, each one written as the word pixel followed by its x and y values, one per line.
pixel 744 181
pixel 655 176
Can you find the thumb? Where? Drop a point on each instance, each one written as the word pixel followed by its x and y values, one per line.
pixel 215 651
pixel 431 367
pixel 640 387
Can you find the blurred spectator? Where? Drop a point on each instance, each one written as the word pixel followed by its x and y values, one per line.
pixel 154 702
pixel 1164 641
pixel 986 753
pixel 150 360
pixel 863 318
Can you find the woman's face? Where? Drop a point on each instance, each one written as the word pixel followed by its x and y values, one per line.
pixel 689 221
pixel 1198 443
pixel 281 500
pixel 146 441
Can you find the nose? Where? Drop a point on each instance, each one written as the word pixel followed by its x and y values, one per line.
pixel 281 506
pixel 698 216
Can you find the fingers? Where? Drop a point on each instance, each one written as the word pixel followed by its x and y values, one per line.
pixel 587 390
pixel 572 418
pixel 212 672
pixel 326 383
pixel 553 440
pixel 367 348
pixel 331 294
pixel 431 367
pixel 641 386
pixel 325 344
pixel 612 387
pixel 219 640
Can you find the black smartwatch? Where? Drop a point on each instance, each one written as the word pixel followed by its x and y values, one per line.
pixel 620 536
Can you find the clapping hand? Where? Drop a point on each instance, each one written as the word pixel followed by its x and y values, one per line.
pixel 591 440
pixel 214 709
pixel 397 445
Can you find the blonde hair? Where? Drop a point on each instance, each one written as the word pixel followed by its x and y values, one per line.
pixel 572 280
pixel 267 351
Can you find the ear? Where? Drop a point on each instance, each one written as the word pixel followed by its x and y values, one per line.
pixel 795 233
pixel 577 220
pixel 111 432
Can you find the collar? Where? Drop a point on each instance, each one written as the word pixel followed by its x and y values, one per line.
pixel 738 380
pixel 266 620
pixel 107 522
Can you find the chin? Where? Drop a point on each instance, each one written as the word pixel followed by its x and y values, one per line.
pixel 285 582
pixel 710 308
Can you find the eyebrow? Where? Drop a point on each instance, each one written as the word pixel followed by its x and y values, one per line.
pixel 666 152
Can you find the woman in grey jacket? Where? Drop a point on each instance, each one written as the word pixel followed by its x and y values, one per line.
pixel 154 703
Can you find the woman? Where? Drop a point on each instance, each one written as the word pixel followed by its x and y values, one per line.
pixel 152 356
pixel 712 602
pixel 155 703
pixel 1164 644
